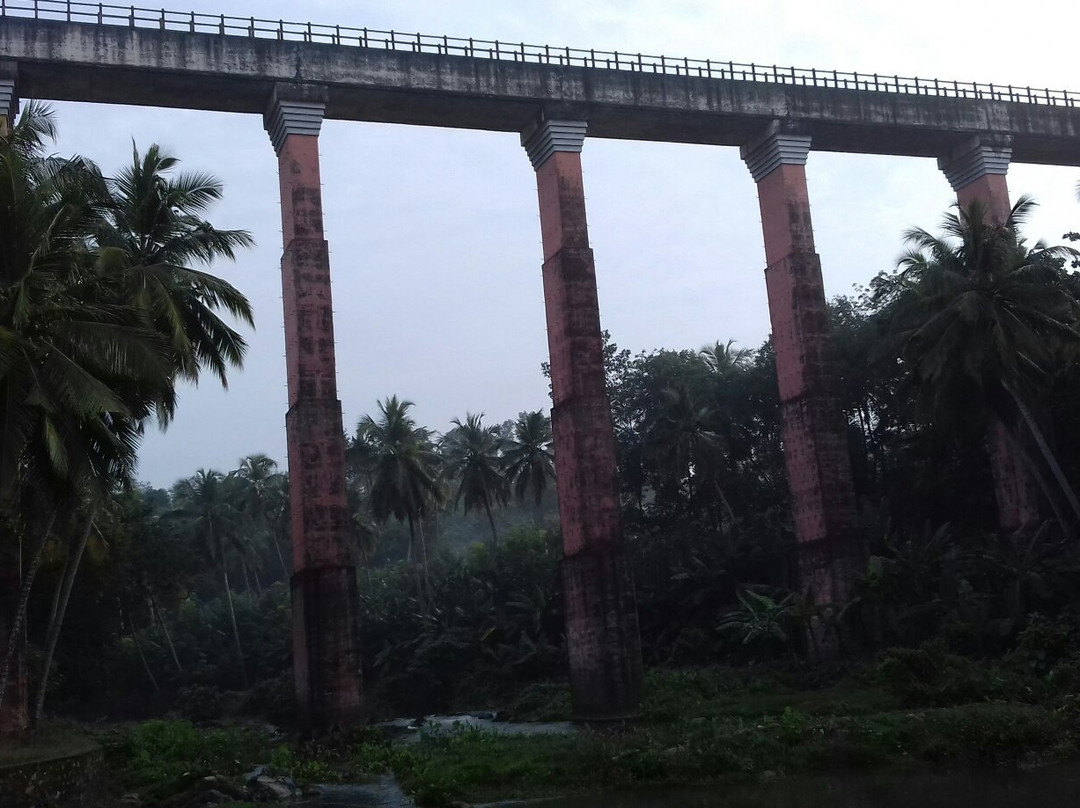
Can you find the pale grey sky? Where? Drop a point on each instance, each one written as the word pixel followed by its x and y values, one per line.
pixel 434 234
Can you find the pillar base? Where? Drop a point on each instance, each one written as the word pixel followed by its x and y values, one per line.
pixel 1014 488
pixel 14 714
pixel 602 640
pixel 326 648
pixel 827 570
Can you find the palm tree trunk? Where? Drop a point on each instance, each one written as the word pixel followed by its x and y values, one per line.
pixel 424 560
pixel 365 559
pixel 416 568
pixel 57 619
pixel 247 581
pixel 165 630
pixel 138 647
pixel 232 617
pixel 277 547
pixel 1051 461
pixel 491 521
pixel 20 611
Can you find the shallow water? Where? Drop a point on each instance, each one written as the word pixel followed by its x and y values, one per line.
pixel 1043 788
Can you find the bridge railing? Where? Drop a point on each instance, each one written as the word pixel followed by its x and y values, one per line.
pixel 254 27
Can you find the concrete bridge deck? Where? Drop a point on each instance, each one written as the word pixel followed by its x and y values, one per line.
pixel 232 66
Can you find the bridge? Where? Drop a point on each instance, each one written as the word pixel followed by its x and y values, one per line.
pixel 72 51
pixel 296 74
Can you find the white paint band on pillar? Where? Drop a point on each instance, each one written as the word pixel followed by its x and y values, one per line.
pixel 294 111
pixel 9 97
pixel 975 159
pixel 545 138
pixel 780 145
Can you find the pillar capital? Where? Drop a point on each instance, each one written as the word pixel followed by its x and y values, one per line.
pixel 9 97
pixel 545 137
pixel 781 144
pixel 977 158
pixel 294 109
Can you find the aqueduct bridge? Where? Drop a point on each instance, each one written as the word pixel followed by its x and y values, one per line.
pixel 296 74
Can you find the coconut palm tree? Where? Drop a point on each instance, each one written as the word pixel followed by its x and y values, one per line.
pixel 683 441
pixel 471 453
pixel 79 368
pixel 205 504
pixel 399 459
pixel 261 493
pixel 155 223
pixel 724 360
pixel 983 322
pixel 88 351
pixel 528 459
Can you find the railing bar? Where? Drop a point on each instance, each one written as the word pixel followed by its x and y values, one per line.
pixel 132 16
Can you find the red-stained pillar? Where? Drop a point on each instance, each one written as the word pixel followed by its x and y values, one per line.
pixel 13 712
pixel 976 171
pixel 326 656
pixel 603 643
pixel 815 446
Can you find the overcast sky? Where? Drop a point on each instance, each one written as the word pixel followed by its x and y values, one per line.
pixel 434 233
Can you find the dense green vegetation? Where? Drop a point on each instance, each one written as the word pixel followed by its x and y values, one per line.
pixel 960 642
pixel 699 725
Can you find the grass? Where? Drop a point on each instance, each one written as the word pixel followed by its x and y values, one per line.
pixel 698 726
pixel 720 725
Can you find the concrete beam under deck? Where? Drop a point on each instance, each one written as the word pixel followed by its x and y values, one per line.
pixel 117 65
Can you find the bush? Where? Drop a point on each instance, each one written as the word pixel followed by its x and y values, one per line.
pixel 1042 644
pixel 274 699
pixel 929 676
pixel 200 703
pixel 161 752
pixel 542 701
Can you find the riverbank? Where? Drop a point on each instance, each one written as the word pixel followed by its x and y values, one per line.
pixel 60 765
pixel 715 725
pixel 697 728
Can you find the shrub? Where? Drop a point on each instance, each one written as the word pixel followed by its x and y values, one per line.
pixel 200 703
pixel 930 676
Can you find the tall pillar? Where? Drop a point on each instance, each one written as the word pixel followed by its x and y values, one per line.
pixel 603 643
pixel 326 655
pixel 13 712
pixel 815 445
pixel 976 171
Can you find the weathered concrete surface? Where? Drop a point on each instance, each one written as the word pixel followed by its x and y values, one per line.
pixel 72 781
pixel 815 449
pixel 1015 491
pixel 14 712
pixel 603 644
pixel 84 62
pixel 326 656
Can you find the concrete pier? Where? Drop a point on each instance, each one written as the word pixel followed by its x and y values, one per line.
pixel 602 639
pixel 815 447
pixel 326 656
pixel 977 171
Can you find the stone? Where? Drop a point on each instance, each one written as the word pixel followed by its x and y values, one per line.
pixel 211 797
pixel 265 788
